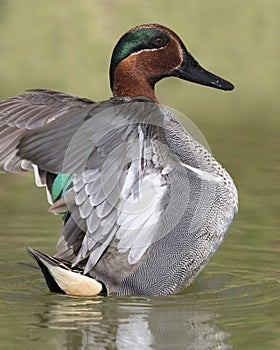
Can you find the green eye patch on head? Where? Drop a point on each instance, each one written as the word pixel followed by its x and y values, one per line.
pixel 137 40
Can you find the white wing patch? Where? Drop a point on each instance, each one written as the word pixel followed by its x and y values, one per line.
pixel 204 175
pixel 127 211
pixel 120 199
pixel 138 217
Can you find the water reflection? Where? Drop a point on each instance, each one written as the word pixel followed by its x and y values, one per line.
pixel 107 323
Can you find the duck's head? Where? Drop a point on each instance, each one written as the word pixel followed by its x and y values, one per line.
pixel 148 53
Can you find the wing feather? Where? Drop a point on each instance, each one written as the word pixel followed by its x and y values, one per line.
pixel 22 113
pixel 106 149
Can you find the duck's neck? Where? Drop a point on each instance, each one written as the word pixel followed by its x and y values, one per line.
pixel 128 81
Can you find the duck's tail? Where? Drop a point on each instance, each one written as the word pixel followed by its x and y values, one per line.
pixel 61 278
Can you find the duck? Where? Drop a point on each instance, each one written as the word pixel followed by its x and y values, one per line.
pixel 143 204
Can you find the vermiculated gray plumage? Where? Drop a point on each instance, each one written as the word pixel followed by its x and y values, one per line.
pixel 114 149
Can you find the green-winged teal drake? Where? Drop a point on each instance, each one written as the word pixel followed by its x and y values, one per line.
pixel 144 205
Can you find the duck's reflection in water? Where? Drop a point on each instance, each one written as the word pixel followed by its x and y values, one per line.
pixel 133 323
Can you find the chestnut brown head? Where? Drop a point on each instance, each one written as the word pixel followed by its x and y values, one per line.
pixel 148 53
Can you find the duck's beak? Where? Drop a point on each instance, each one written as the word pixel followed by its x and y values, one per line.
pixel 192 71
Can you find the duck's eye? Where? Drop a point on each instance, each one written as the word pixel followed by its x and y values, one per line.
pixel 158 42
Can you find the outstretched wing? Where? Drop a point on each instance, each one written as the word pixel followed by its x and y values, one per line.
pixel 26 112
pixel 122 175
